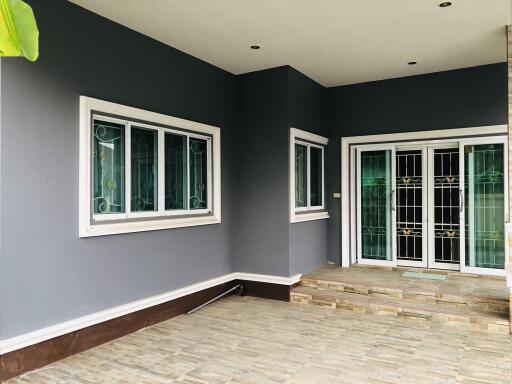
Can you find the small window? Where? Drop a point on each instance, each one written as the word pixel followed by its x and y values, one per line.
pixel 307 176
pixel 145 175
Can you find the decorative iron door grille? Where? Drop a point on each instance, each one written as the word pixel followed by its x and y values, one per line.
pixel 446 206
pixel 409 205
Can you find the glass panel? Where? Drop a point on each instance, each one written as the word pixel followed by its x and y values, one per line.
pixel 144 145
pixel 315 173
pixel 484 201
pixel 446 206
pixel 108 167
pixel 409 213
pixel 376 205
pixel 175 171
pixel 301 176
pixel 198 173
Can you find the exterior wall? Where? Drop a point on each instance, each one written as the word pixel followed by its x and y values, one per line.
pixel 49 275
pixel 470 97
pixel 307 111
pixel 261 230
pixel 273 101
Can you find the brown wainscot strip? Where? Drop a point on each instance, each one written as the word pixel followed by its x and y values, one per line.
pixel 38 355
pixel 272 291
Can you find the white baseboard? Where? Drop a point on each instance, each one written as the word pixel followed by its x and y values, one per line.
pixel 31 338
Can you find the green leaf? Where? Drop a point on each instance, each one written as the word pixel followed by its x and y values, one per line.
pixel 19 35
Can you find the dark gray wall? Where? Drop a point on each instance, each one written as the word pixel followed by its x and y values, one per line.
pixel 272 101
pixel 262 226
pixel 49 275
pixel 469 97
pixel 307 110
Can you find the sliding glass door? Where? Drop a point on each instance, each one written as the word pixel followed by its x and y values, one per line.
pixel 438 205
pixel 484 204
pixel 376 205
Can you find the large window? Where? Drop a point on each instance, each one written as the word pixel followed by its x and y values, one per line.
pixel 307 176
pixel 141 170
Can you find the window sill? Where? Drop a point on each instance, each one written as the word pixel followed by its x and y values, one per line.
pixel 301 217
pixel 153 225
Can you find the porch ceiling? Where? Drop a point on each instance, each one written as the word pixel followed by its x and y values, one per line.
pixel 334 42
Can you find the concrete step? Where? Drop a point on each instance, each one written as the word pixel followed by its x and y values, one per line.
pixel 450 293
pixel 380 305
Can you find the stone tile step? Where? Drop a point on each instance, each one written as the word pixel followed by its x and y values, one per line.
pixel 451 316
pixel 460 292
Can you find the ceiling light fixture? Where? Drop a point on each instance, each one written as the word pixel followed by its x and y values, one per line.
pixel 445 4
pixel 255 47
pixel 412 62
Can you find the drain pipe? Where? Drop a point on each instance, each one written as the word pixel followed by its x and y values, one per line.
pixel 240 292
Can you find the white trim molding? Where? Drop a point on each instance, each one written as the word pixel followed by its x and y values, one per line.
pixel 31 338
pixel 308 213
pixel 346 216
pixel 93 225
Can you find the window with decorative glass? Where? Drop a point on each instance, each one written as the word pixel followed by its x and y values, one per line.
pixel 143 171
pixel 126 166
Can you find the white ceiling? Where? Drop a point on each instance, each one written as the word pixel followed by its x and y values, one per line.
pixel 333 41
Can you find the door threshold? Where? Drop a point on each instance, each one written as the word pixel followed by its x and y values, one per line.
pixel 429 270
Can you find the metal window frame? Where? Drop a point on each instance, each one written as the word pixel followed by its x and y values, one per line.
pixel 161 211
pixel 300 214
pixel 127 222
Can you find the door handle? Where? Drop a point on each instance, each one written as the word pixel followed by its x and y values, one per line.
pixel 461 200
pixel 393 205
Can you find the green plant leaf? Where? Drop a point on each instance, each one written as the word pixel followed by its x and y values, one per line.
pixel 19 35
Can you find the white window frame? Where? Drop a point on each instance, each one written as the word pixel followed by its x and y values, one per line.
pixel 91 224
pixel 309 140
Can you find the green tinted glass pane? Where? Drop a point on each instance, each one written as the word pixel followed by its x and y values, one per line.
pixel 301 176
pixel 144 171
pixel 108 167
pixel 376 205
pixel 198 173
pixel 315 174
pixel 484 205
pixel 175 171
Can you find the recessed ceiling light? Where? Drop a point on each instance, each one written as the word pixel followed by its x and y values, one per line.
pixel 445 4
pixel 255 47
pixel 412 62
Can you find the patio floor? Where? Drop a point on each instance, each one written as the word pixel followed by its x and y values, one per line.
pixel 245 340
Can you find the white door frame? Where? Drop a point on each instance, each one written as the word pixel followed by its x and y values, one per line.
pixel 424 198
pixel 347 159
pixel 430 204
pixel 377 147
pixel 475 141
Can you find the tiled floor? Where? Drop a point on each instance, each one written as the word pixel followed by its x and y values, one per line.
pixel 248 341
